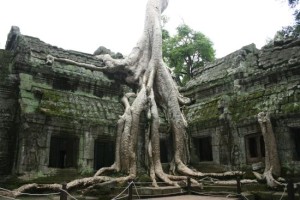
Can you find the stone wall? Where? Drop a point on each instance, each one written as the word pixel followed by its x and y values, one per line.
pixel 230 92
pixel 62 110
pixel 57 114
pixel 8 112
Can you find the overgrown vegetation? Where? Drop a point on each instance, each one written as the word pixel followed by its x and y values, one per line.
pixel 186 51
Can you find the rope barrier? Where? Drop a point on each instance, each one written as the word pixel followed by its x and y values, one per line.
pixel 47 194
pixel 218 194
pixel 8 197
pixel 160 195
pixel 29 194
pixel 136 190
pixel 284 190
pixel 68 194
pixel 234 195
pixel 215 194
pixel 124 196
pixel 5 189
pixel 116 197
pixel 209 179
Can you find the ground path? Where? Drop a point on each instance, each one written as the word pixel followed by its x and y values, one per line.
pixel 191 197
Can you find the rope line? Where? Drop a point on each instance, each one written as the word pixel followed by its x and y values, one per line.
pixel 235 195
pixel 116 197
pixel 168 194
pixel 8 197
pixel 284 190
pixel 124 196
pixel 29 194
pixel 48 194
pixel 217 194
pixel 68 194
pixel 227 196
pixel 136 190
pixel 5 189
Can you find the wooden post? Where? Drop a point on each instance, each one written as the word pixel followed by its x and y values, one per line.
pixel 189 185
pixel 238 185
pixel 291 190
pixel 298 189
pixel 63 194
pixel 130 190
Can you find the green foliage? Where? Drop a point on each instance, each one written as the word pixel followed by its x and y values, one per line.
pixel 186 51
pixel 294 30
pixel 293 3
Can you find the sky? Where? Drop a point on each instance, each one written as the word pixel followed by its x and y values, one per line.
pixel 84 25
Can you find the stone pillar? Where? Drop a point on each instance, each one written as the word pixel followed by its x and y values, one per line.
pixel 45 152
pixel 87 143
pixel 88 152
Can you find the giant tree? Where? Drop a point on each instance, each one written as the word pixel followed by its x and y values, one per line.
pixel 144 68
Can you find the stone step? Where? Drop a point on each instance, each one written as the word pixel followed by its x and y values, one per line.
pixel 63 175
pixel 145 192
pixel 64 172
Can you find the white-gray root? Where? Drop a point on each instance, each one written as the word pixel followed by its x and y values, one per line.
pixel 145 68
pixel 272 164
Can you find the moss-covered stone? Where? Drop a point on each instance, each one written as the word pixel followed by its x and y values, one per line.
pixel 6 59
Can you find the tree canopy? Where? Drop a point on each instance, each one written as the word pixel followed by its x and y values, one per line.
pixel 294 30
pixel 186 51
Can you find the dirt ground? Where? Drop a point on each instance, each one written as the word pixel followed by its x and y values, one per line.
pixel 192 197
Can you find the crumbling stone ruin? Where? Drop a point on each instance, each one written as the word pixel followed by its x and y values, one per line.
pixel 230 92
pixel 56 114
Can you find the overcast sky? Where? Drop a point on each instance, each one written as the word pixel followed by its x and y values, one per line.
pixel 84 25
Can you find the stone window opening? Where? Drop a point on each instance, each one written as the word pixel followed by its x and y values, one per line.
pixel 63 152
pixel 296 138
pixel 104 153
pixel 255 148
pixel 63 83
pixel 203 148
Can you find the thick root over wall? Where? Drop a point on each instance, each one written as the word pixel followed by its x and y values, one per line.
pixel 144 68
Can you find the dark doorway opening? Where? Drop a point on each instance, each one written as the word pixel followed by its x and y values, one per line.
pixel 296 138
pixel 63 152
pixel 255 148
pixel 104 154
pixel 203 148
pixel 163 151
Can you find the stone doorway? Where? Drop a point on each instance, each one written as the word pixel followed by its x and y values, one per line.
pixel 203 148
pixel 164 158
pixel 296 138
pixel 63 152
pixel 104 154
pixel 255 148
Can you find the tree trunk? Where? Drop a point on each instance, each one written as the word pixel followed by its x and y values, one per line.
pixel 272 164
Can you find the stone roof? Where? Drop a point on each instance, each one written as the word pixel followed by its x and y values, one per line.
pixel 246 82
pixel 63 90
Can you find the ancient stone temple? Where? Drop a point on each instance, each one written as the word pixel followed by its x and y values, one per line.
pixel 229 94
pixel 55 113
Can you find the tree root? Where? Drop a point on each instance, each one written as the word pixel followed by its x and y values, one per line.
pixel 268 177
pixel 85 184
